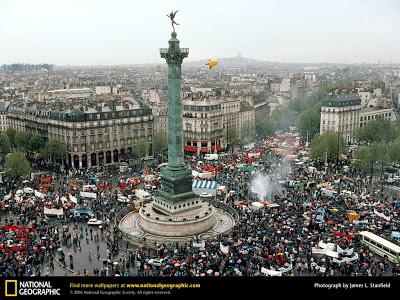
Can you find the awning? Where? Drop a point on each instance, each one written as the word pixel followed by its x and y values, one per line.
pixel 204 184
pixel 190 148
pixel 216 148
pixel 204 150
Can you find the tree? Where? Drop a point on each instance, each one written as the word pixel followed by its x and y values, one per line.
pixel 309 121
pixel 329 142
pixel 265 128
pixel 232 137
pixel 140 149
pixel 22 139
pixel 160 143
pixel 17 165
pixel 36 142
pixel 394 151
pixel 381 153
pixel 5 144
pixel 11 132
pixel 304 102
pixel 54 149
pixel 363 159
pixel 377 153
pixel 278 120
pixel 248 132
pixel 376 131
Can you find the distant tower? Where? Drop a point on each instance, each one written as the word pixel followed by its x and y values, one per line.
pixel 239 55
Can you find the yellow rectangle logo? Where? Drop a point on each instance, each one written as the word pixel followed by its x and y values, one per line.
pixel 11 288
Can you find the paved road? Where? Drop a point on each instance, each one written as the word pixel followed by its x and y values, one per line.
pixel 81 259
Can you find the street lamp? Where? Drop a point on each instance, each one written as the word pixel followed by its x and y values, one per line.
pixel 337 153
pixel 326 161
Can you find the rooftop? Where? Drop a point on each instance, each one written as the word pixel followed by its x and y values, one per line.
pixel 72 91
pixel 340 99
pixel 376 108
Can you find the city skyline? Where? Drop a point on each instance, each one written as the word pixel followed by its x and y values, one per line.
pixel 96 33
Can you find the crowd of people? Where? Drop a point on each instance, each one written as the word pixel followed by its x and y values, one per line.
pixel 282 238
pixel 270 240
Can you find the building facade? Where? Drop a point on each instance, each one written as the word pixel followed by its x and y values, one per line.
pixel 344 113
pixel 230 109
pixel 3 115
pixel 247 123
pixel 202 126
pixel 94 136
pixel 341 113
pixel 373 113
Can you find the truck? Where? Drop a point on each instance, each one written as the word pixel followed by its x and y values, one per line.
pixel 142 195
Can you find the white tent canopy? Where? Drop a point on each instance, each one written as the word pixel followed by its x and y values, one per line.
pixel 53 211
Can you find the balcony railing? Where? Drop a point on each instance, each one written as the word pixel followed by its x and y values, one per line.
pixel 185 50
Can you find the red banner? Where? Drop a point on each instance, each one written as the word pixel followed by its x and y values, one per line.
pixel 122 185
pixel 101 186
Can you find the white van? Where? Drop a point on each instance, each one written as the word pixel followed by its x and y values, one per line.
pixel 142 195
pixel 211 156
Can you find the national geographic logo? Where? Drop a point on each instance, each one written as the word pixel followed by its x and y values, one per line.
pixel 14 288
pixel 11 288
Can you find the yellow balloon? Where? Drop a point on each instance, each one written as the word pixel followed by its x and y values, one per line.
pixel 212 62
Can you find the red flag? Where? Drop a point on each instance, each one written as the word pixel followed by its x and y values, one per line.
pixel 101 186
pixel 122 185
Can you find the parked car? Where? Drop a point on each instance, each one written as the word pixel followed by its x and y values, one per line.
pixel 83 214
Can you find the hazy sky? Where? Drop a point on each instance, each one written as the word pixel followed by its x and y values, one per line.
pixel 83 32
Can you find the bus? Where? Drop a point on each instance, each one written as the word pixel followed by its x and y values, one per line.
pixel 381 246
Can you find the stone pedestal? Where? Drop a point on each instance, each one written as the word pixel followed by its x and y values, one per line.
pixel 188 223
